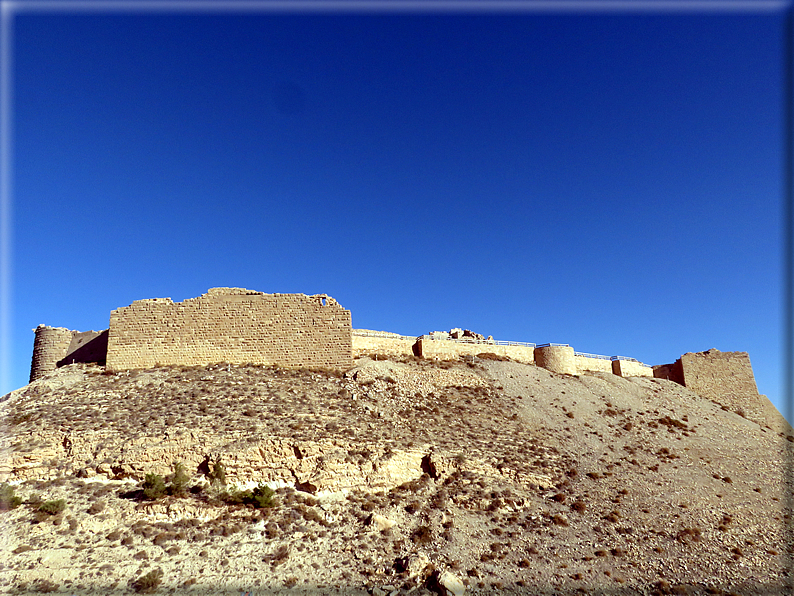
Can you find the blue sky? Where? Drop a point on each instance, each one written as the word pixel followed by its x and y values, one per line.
pixel 611 180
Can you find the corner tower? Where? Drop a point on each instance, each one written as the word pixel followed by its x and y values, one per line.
pixel 49 347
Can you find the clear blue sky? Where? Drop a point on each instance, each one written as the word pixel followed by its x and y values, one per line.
pixel 609 180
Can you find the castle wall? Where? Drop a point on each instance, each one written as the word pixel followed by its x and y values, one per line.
pixel 586 363
pixel 397 346
pixel 559 359
pixel 726 378
pixel 231 325
pixel 50 345
pixel 629 368
pixel 443 349
pixel 87 346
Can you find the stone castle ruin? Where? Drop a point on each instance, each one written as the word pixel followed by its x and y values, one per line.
pixel 230 325
pixel 239 326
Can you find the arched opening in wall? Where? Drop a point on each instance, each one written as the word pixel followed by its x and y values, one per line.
pixel 323 300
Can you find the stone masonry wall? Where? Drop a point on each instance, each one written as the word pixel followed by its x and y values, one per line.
pixel 87 346
pixel 585 363
pixel 382 346
pixel 629 368
pixel 50 345
pixel 231 325
pixel 726 378
pixel 442 349
pixel 671 372
pixel 58 346
pixel 559 359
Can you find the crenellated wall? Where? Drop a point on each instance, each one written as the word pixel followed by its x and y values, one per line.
pixel 231 325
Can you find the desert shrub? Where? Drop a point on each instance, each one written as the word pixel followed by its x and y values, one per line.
pixel 422 535
pixel 45 586
pixel 673 423
pixel 8 500
pixel 579 506
pixel 148 583
pixel 179 480
pixel 217 474
pixel 315 516
pixel 53 507
pixel 689 535
pixel 281 555
pixel 560 520
pixel 154 487
pixel 161 538
pixel 263 497
pixel 97 507
pixel 413 507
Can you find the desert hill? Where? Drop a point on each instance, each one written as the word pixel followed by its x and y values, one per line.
pixel 480 476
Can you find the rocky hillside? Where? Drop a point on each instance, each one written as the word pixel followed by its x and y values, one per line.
pixel 476 477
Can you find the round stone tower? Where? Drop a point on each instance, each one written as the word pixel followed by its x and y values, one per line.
pixel 50 346
pixel 559 359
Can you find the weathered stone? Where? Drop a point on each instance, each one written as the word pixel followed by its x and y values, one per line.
pixel 381 523
pixel 417 565
pixel 451 584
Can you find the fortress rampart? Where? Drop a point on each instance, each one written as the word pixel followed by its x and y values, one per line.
pixel 56 346
pixel 556 358
pixel 444 349
pixel 231 325
pixel 724 377
pixel 382 343
pixel 559 358
pixel 49 347
pixel 242 326
pixel 592 363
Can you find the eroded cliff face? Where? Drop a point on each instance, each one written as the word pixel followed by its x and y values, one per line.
pixel 494 474
pixel 370 429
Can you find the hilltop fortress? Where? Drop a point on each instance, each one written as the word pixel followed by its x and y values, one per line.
pixel 239 326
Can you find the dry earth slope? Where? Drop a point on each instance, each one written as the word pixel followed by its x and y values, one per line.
pixel 476 477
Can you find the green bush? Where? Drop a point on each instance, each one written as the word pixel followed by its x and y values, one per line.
pixel 154 487
pixel 218 474
pixel 261 497
pixel 8 499
pixel 179 480
pixel 53 507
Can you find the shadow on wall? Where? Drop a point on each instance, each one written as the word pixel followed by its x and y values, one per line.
pixel 88 346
